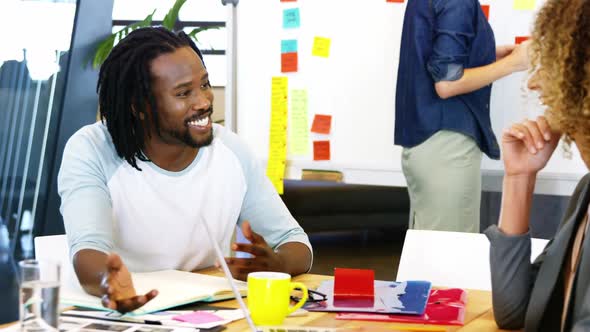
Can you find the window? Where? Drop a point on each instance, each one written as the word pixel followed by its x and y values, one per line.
pixel 32 80
pixel 194 13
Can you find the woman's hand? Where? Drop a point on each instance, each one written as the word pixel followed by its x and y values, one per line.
pixel 527 147
pixel 518 57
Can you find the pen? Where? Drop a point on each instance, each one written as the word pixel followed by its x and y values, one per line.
pixel 115 319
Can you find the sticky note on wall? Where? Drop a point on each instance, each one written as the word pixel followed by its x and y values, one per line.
pixel 288 62
pixel 321 47
pixel 486 10
pixel 524 4
pixel 321 150
pixel 291 18
pixel 277 154
pixel 398 1
pixel 288 45
pixel 322 124
pixel 520 39
pixel 299 129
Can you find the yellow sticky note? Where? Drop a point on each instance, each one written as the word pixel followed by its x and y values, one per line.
pixel 524 4
pixel 321 47
pixel 298 130
pixel 278 184
pixel 277 152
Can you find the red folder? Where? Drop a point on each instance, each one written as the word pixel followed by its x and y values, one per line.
pixel 354 287
pixel 444 307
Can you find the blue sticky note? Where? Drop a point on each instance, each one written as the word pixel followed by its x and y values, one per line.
pixel 289 46
pixel 291 18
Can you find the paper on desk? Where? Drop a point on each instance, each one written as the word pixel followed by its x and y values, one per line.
pixel 72 324
pixel 166 317
pixel 198 317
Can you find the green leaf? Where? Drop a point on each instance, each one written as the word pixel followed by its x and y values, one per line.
pixel 102 51
pixel 172 15
pixel 104 48
pixel 195 31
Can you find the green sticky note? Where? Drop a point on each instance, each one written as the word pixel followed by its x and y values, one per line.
pixel 524 4
pixel 291 18
pixel 299 132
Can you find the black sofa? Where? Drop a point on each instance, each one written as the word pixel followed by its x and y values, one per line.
pixel 332 206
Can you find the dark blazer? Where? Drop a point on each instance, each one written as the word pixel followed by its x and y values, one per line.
pixel 531 295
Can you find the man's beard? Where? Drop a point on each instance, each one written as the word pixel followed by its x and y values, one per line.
pixel 187 139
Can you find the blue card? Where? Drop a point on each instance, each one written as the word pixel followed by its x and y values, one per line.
pixel 408 297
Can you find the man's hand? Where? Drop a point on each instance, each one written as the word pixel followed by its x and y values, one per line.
pixel 527 147
pixel 264 258
pixel 117 287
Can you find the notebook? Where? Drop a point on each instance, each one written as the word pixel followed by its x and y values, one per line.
pixel 445 306
pixel 408 297
pixel 174 287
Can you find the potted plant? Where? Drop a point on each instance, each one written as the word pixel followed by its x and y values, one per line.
pixel 104 47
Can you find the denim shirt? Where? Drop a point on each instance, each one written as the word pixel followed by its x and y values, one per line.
pixel 440 38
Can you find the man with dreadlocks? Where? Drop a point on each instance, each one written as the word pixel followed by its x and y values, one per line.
pixel 136 186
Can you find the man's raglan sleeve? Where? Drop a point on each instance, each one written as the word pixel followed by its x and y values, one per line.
pixel 85 200
pixel 262 206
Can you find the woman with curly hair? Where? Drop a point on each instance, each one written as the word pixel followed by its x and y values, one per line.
pixel 553 293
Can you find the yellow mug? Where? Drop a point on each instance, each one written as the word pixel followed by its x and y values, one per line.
pixel 268 297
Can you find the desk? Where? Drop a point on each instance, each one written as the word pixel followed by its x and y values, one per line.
pixel 479 316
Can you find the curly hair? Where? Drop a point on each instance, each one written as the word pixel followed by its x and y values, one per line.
pixel 125 90
pixel 561 49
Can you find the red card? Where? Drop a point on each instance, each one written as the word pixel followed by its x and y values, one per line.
pixel 486 11
pixel 288 62
pixel 321 124
pixel 444 307
pixel 321 150
pixel 520 39
pixel 398 1
pixel 354 287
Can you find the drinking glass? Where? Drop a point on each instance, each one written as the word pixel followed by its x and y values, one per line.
pixel 39 295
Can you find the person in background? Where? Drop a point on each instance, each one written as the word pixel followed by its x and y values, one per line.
pixel 448 60
pixel 553 293
pixel 137 186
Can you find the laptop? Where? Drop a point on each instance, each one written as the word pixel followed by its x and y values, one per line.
pixel 253 328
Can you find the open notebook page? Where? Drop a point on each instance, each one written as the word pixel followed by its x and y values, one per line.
pixel 175 288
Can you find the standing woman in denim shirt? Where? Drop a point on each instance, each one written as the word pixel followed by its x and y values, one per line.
pixel 448 61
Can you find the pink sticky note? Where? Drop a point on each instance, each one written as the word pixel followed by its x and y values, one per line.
pixel 198 317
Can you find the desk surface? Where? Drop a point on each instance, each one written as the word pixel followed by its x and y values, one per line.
pixel 479 316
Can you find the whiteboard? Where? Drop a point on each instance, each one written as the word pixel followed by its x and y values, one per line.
pixel 356 85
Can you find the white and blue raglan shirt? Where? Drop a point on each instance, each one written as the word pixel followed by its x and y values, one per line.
pixel 152 218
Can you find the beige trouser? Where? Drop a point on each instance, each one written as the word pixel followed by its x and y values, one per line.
pixel 444 183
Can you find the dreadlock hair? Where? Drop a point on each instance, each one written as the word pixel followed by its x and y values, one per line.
pixel 125 87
